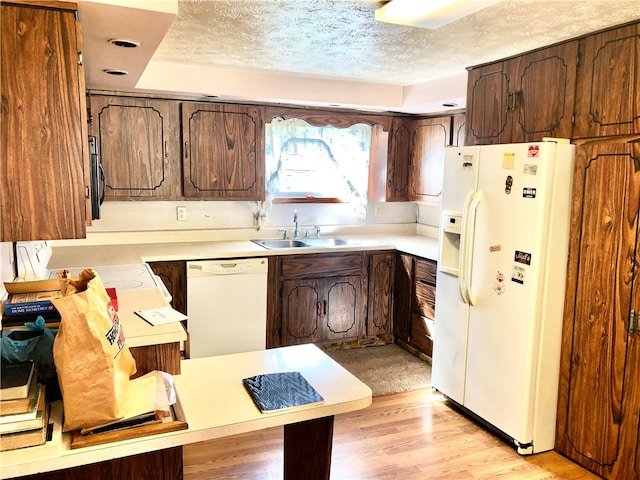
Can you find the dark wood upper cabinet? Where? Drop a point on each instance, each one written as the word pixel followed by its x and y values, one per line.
pixel 429 138
pixel 608 84
pixel 543 98
pixel 44 174
pixel 459 128
pixel 524 98
pixel 139 146
pixel 223 151
pixel 398 158
pixel 487 93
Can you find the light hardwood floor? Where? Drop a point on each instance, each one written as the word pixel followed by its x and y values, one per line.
pixel 405 436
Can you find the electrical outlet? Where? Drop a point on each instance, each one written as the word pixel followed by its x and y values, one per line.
pixel 378 211
pixel 181 213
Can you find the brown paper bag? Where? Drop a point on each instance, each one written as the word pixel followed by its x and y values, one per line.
pixel 92 360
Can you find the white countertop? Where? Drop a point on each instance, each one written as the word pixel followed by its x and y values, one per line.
pixel 215 405
pixel 139 333
pixel 77 256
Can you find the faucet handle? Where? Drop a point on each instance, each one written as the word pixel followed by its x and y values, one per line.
pixel 285 234
pixel 317 229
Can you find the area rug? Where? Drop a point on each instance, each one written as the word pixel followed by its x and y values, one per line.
pixel 385 369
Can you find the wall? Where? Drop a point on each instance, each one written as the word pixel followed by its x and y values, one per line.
pixel 7 273
pixel 128 222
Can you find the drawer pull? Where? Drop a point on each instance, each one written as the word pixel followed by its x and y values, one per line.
pixel 632 321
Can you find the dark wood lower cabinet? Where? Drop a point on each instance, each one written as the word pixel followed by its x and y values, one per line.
pixel 164 357
pixel 330 297
pixel 402 301
pixel 174 276
pixel 414 304
pixel 161 465
pixel 381 292
pixel 307 449
pixel 322 298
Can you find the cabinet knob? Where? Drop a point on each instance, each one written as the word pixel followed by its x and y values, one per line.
pixel 632 322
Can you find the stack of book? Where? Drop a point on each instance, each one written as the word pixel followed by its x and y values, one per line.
pixel 23 406
pixel 23 307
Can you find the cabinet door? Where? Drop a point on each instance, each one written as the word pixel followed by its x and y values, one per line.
pixel 341 317
pixel 487 91
pixel 44 149
pixel 223 151
pixel 381 276
pixel 459 129
pixel 608 84
pixel 592 428
pixel 399 152
pixel 303 303
pixel 139 146
pixel 430 137
pixel 423 305
pixel 630 432
pixel 403 296
pixel 542 89
pixel 523 99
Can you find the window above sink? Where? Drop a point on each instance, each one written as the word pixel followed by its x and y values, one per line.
pixel 316 164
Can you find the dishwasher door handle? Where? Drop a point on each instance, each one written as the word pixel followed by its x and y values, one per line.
pixel 223 268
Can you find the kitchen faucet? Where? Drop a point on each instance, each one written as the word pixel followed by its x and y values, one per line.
pixel 295 221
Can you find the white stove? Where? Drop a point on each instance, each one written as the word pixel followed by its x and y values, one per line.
pixel 32 259
pixel 120 277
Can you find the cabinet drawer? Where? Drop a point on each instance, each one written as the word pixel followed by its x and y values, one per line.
pixel 331 265
pixel 424 302
pixel 422 334
pixel 425 271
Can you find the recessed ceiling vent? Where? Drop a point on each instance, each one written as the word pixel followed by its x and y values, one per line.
pixel 116 72
pixel 121 42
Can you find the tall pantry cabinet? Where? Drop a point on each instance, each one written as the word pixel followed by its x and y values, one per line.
pixel 599 392
pixel 599 396
pixel 44 170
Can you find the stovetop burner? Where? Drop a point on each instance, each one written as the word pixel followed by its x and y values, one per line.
pixel 120 277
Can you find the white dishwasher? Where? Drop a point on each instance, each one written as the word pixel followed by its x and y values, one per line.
pixel 227 306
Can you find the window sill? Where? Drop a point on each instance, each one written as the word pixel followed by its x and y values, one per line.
pixel 307 200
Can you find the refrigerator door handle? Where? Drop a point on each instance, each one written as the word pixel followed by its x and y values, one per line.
pixel 471 231
pixel 462 257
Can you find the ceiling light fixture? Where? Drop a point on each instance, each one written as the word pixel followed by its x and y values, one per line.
pixel 115 71
pixel 121 42
pixel 429 14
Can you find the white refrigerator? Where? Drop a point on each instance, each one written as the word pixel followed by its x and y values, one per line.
pixel 504 237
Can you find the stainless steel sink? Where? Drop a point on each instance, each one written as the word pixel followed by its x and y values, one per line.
pixel 326 242
pixel 301 243
pixel 274 244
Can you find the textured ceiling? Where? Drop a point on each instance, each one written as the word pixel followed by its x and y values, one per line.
pixel 341 39
pixel 318 52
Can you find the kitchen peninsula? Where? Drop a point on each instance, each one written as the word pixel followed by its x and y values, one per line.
pixel 221 409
